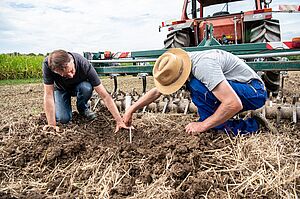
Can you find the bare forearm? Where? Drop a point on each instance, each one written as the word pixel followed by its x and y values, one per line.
pixel 221 115
pixel 148 98
pixel 49 108
pixel 230 105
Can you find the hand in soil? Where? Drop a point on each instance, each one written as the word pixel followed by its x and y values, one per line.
pixel 121 125
pixel 127 117
pixel 51 128
pixel 194 128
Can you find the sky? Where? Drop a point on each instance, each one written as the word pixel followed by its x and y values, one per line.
pixel 38 26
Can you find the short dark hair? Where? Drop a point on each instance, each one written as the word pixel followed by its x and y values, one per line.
pixel 58 60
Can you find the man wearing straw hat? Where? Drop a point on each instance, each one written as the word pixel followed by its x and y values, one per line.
pixel 68 74
pixel 220 84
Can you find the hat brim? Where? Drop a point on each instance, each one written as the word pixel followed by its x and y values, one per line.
pixel 175 86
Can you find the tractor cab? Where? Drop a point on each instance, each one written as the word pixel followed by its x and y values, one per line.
pixel 203 8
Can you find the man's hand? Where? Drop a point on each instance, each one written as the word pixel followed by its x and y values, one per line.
pixel 127 117
pixel 51 128
pixel 120 125
pixel 194 128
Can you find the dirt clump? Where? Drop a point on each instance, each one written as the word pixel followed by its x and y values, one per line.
pixel 88 160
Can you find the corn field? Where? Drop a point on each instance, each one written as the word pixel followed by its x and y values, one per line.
pixel 20 66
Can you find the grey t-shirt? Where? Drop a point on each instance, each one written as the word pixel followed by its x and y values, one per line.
pixel 211 67
pixel 84 72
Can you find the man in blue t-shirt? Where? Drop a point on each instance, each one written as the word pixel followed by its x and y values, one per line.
pixel 220 84
pixel 68 74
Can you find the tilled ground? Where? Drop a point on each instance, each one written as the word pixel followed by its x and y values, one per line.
pixel 87 160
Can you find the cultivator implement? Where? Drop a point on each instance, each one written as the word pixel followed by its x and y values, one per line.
pixel 180 102
pixel 142 63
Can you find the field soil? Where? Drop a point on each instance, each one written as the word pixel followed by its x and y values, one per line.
pixel 86 159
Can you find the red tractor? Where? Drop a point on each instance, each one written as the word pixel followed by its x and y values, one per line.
pixel 223 27
pixel 242 27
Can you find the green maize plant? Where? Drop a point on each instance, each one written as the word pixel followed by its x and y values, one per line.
pixel 20 66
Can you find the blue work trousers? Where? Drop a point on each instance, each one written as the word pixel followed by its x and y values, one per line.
pixel 63 109
pixel 253 96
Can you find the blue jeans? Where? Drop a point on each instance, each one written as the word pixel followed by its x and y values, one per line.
pixel 253 96
pixel 63 108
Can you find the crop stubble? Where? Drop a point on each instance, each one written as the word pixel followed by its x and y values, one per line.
pixel 87 160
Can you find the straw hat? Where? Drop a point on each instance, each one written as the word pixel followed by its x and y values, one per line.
pixel 171 70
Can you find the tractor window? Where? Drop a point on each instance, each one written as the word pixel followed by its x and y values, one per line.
pixel 189 9
pixel 233 7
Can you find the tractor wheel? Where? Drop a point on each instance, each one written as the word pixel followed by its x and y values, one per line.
pixel 272 81
pixel 268 31
pixel 178 39
pixel 265 31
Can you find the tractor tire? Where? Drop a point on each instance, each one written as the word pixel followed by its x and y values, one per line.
pixel 268 31
pixel 178 39
pixel 265 31
pixel 272 81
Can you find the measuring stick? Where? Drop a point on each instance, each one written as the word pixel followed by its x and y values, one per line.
pixel 130 135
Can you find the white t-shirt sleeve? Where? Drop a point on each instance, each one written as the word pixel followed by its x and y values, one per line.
pixel 209 72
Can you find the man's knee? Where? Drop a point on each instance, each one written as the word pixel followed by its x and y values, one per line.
pixel 85 88
pixel 63 118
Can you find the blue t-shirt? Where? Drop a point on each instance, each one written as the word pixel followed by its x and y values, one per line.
pixel 84 72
